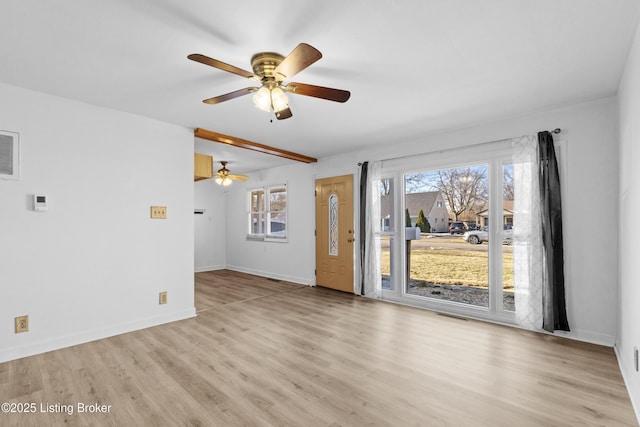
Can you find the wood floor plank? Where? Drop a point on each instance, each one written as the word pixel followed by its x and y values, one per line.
pixel 264 353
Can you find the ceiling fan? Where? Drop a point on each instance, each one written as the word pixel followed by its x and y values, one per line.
pixel 271 70
pixel 225 177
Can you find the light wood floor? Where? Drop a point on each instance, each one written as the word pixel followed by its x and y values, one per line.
pixel 264 353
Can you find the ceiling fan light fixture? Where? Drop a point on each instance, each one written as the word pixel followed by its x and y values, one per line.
pixel 262 99
pixel 224 178
pixel 270 97
pixel 279 100
pixel 225 181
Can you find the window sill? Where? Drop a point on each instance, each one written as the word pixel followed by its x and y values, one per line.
pixel 263 238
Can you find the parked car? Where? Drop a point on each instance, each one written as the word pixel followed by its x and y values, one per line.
pixel 457 227
pixel 476 237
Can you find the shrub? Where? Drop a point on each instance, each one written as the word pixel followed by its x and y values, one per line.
pixel 423 222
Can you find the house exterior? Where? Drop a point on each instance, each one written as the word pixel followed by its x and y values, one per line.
pixel 482 217
pixel 432 204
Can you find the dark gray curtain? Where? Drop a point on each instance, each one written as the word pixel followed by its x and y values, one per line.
pixel 364 168
pixel 553 294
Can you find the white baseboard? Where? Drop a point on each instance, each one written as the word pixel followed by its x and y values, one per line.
pixel 590 337
pixel 202 269
pixel 92 335
pixel 271 275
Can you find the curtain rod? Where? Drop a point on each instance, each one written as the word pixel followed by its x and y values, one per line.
pixel 554 131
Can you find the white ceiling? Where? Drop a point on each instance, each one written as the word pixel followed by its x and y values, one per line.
pixel 413 67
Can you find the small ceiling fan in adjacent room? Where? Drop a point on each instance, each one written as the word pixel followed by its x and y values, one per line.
pixel 271 70
pixel 224 176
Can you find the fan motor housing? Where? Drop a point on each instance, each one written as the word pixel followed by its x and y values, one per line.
pixel 265 63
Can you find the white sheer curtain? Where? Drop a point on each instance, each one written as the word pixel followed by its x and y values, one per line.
pixel 528 265
pixel 371 272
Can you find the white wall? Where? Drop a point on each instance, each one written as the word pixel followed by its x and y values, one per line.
pixel 210 227
pixel 93 264
pixel 629 199
pixel 590 131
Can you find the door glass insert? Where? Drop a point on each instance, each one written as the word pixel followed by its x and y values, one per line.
pixel 333 225
pixel 447 233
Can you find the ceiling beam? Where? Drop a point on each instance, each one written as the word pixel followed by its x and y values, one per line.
pixel 250 145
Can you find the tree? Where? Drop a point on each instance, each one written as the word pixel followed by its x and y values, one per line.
pixel 507 183
pixel 407 218
pixel 464 189
pixel 423 222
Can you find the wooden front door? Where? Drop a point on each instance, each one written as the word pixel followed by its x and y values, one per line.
pixel 335 237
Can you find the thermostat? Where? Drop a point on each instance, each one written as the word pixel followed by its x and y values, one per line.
pixel 39 202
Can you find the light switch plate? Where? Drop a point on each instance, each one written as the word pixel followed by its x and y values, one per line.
pixel 159 212
pixel 22 324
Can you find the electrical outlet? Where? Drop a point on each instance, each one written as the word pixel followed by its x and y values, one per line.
pixel 22 324
pixel 159 212
pixel 163 297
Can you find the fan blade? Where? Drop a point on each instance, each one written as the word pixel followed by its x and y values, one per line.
pixel 299 59
pixel 222 66
pixel 240 178
pixel 230 95
pixel 331 94
pixel 283 114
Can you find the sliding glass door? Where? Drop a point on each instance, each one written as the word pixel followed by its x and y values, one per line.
pixel 450 244
pixel 447 251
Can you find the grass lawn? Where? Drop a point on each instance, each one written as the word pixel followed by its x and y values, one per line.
pixel 453 267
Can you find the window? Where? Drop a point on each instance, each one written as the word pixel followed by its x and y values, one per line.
pixel 9 155
pixel 267 213
pixel 256 213
pixel 508 198
pixel 387 230
pixel 277 212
